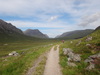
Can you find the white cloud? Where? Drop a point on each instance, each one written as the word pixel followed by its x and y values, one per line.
pixel 90 20
pixel 49 10
pixel 53 18
pixel 43 9
pixel 37 24
pixel 33 7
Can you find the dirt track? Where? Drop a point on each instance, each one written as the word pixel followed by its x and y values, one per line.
pixel 52 64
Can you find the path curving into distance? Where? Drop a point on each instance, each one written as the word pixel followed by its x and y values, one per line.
pixel 52 66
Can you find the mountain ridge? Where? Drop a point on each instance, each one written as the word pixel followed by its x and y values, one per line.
pixel 8 28
pixel 75 34
pixel 35 33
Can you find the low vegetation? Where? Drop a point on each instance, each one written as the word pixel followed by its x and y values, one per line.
pixel 40 68
pixel 84 51
pixel 28 51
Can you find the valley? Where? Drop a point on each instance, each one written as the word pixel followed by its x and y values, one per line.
pixel 37 54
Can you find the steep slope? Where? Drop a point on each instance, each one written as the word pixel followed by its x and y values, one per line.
pixel 86 49
pixel 35 33
pixel 8 32
pixel 8 28
pixel 98 28
pixel 75 34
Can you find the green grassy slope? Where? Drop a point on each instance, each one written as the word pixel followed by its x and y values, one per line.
pixel 85 53
pixel 28 50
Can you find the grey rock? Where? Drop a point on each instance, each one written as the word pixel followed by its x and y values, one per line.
pixel 89 45
pixel 71 56
pixel 92 57
pixel 89 38
pixel 91 66
pixel 76 57
pixel 66 51
pixel 90 60
pixel 95 56
pixel 14 53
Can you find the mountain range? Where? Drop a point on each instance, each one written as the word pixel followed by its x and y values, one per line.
pixel 75 34
pixel 7 30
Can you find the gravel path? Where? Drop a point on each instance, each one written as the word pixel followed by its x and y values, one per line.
pixel 52 64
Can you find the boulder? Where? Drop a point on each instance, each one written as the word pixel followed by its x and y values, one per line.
pixel 89 38
pixel 77 58
pixel 92 60
pixel 74 57
pixel 66 51
pixel 92 57
pixel 14 53
pixel 71 56
pixel 91 66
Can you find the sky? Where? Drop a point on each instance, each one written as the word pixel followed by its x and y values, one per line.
pixel 51 17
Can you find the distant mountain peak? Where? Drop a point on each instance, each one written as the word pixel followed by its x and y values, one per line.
pixel 35 33
pixel 8 28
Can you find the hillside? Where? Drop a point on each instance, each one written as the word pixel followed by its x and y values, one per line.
pixel 9 32
pixel 98 28
pixel 7 29
pixel 88 48
pixel 35 33
pixel 75 34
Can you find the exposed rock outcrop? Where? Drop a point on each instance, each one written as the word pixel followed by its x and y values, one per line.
pixel 89 38
pixel 72 57
pixel 93 60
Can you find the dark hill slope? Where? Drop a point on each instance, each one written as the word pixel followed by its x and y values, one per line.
pixel 98 28
pixel 8 32
pixel 75 34
pixel 35 33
